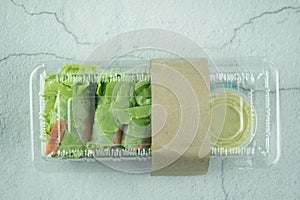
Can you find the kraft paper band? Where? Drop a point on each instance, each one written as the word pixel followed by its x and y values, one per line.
pixel 180 117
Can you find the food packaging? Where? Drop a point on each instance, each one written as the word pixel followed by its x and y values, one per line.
pixel 96 116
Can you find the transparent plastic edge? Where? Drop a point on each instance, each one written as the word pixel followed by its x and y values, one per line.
pixel 31 99
pixel 278 124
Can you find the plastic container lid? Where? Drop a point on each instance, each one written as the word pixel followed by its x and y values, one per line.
pixel 245 122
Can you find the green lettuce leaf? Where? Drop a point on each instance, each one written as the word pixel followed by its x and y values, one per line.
pixel 139 112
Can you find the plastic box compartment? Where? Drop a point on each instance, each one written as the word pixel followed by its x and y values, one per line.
pixel 256 81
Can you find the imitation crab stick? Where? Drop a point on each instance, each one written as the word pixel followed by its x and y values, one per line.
pixel 58 128
pixel 118 137
pixel 145 144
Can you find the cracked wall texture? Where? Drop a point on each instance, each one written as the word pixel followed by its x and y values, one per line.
pixel 32 31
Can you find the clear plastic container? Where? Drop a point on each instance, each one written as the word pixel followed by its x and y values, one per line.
pixel 71 115
pixel 251 85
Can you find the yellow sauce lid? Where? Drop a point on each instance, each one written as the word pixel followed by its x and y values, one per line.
pixel 232 119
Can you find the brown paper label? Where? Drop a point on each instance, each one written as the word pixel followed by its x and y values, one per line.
pixel 180 117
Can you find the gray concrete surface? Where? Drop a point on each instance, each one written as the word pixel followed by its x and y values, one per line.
pixel 32 31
